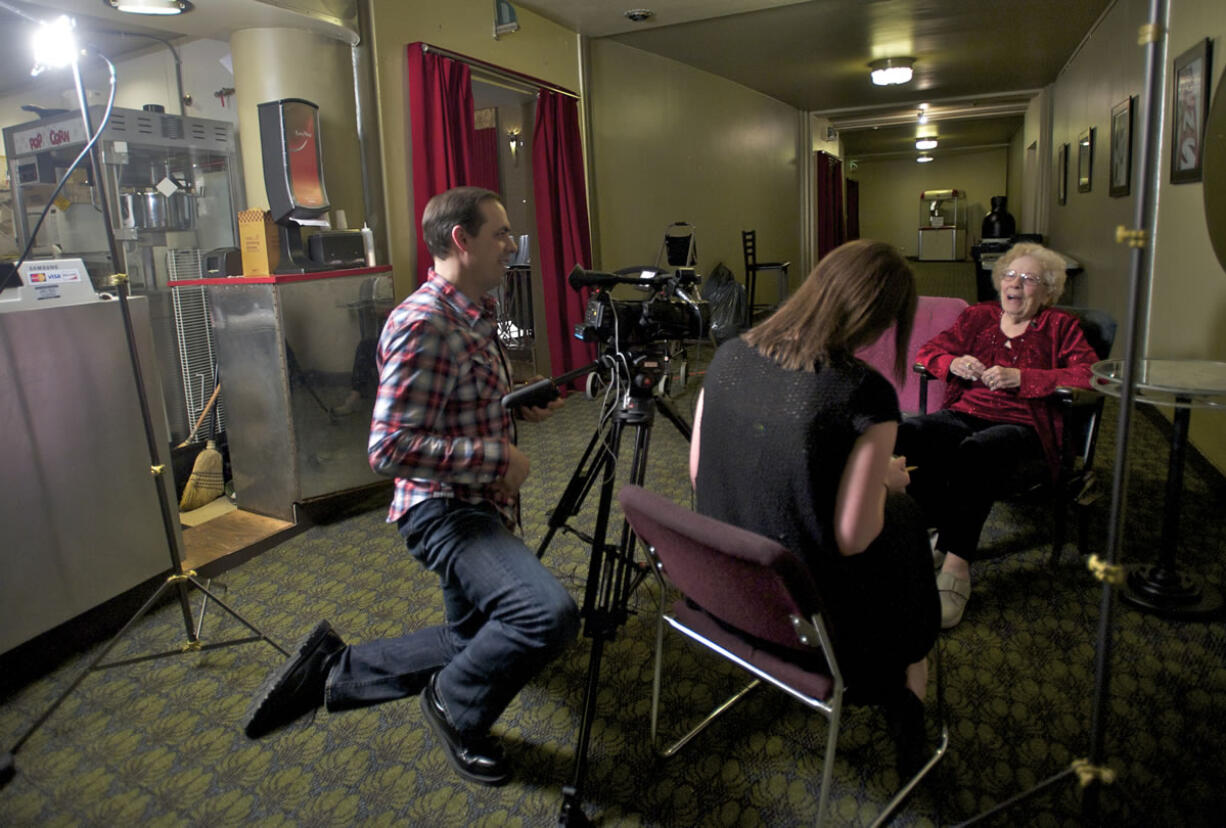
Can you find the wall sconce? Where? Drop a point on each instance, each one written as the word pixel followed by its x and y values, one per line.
pixel 891 71
pixel 514 142
pixel 163 7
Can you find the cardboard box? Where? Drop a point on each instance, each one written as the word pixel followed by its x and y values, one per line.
pixel 259 242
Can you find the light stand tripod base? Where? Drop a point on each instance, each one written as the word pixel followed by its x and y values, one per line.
pixel 1171 594
pixel 7 769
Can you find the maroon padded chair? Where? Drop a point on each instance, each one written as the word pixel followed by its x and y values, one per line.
pixel 933 314
pixel 763 612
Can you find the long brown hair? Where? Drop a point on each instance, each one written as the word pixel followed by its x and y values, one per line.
pixel 848 301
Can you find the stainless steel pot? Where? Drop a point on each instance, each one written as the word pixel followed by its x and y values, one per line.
pixel 181 211
pixel 154 204
pixel 131 210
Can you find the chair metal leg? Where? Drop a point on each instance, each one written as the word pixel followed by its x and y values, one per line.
pixel 655 697
pixel 1059 530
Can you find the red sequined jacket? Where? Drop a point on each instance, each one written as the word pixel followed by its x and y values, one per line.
pixel 1053 353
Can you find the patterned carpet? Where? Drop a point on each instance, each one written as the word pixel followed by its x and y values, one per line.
pixel 159 743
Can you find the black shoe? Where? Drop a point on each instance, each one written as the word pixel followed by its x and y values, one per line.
pixel 297 686
pixel 476 758
pixel 904 716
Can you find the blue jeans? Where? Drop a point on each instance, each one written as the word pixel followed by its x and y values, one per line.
pixel 506 618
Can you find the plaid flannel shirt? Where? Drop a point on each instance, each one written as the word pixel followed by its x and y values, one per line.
pixel 438 425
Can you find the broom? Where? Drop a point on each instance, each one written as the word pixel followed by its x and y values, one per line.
pixel 206 482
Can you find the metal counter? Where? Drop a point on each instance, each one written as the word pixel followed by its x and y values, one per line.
pixel 296 357
pixel 79 509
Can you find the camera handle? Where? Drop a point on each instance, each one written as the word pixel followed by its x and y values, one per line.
pixel 612 573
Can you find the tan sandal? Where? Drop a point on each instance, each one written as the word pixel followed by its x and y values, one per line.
pixel 954 593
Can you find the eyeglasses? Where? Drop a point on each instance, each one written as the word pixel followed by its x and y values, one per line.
pixel 1027 278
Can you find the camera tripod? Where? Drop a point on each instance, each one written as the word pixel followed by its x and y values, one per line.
pixel 613 574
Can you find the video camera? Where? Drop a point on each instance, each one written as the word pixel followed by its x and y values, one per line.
pixel 638 334
pixel 669 313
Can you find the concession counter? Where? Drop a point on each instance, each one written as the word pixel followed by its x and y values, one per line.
pixel 296 356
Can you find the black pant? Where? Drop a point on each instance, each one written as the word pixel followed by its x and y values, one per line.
pixel 963 465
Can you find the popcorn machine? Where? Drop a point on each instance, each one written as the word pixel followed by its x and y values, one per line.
pixel 174 189
pixel 942 225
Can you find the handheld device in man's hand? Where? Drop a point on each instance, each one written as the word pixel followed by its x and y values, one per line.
pixel 533 395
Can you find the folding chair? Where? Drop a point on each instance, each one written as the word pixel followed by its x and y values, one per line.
pixel 754 603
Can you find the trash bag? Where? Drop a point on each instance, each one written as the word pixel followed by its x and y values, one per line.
pixel 726 297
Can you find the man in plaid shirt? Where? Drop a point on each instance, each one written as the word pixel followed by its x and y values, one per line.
pixel 440 429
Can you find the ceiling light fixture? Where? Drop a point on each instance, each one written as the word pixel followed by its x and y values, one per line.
pixel 926 144
pixel 639 15
pixel 162 7
pixel 891 71
pixel 924 159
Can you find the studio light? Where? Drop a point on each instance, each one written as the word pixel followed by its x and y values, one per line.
pixel 926 143
pixel 54 44
pixel 891 71
pixel 162 7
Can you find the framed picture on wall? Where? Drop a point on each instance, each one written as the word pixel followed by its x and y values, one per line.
pixel 1121 149
pixel 1191 109
pixel 1085 160
pixel 1062 174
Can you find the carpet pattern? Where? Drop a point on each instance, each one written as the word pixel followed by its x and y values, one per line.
pixel 159 743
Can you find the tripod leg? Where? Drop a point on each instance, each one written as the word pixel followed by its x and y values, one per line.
pixel 611 579
pixel 577 487
pixel 140 613
pixel 674 416
pixel 239 618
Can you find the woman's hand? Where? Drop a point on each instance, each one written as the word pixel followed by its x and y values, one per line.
pixel 998 378
pixel 897 478
pixel 967 367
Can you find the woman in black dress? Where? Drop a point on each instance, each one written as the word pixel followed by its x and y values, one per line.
pixel 793 439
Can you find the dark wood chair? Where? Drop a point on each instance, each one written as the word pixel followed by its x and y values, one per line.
pixel 749 247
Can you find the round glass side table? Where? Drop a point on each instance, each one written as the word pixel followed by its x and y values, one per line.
pixel 1180 384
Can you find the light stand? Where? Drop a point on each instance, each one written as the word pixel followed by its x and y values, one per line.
pixel 179 579
pixel 1091 772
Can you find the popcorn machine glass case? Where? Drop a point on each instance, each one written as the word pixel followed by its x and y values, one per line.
pixel 942 225
pixel 173 182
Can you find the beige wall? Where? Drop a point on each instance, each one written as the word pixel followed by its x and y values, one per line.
pixel 540 48
pixel 890 189
pixel 1187 305
pixel 672 143
pixel 1187 317
pixel 1109 68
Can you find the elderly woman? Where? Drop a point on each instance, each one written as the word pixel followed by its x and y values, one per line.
pixel 792 439
pixel 1000 362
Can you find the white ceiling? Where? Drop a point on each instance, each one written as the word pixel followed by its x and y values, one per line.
pixel 980 60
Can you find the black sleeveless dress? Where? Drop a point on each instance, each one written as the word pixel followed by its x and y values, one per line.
pixel 773 447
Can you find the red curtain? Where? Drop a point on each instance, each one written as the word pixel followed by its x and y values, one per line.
pixel 830 230
pixel 561 224
pixel 485 160
pixel 441 118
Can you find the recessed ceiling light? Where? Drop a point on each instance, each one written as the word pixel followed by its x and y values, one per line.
pixel 891 71
pixel 924 159
pixel 926 144
pixel 164 7
pixel 639 15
